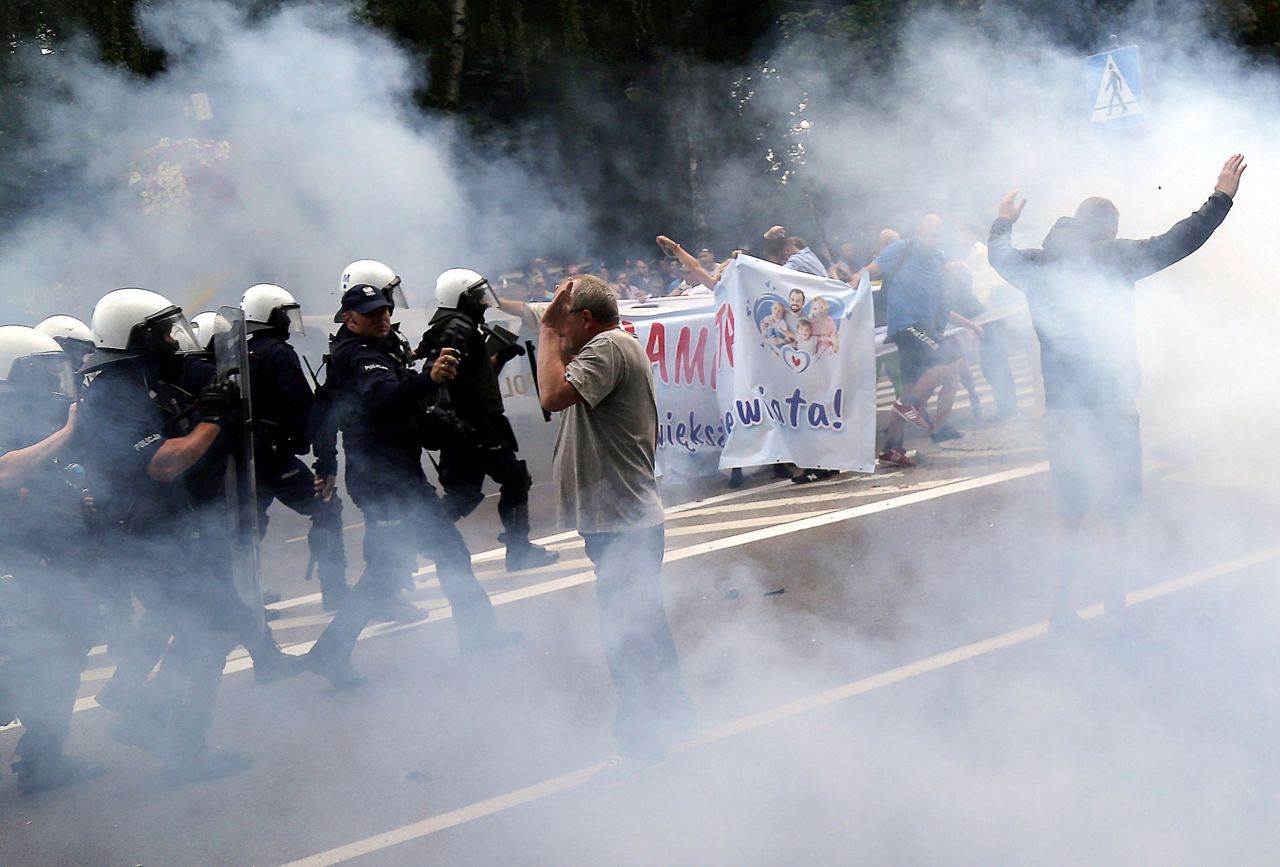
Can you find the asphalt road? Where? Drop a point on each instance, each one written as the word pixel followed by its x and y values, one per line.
pixel 871 669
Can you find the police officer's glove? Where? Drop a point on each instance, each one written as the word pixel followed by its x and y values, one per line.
pixel 219 403
pixel 506 353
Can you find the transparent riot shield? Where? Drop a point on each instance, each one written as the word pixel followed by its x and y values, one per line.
pixel 231 354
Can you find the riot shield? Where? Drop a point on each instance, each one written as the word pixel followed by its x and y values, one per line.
pixel 231 354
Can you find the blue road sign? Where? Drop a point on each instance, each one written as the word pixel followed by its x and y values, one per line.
pixel 1114 86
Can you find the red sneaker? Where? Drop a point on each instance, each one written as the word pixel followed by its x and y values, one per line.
pixel 911 415
pixel 896 458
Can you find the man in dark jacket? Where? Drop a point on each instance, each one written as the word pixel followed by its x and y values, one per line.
pixel 476 396
pixel 379 404
pixel 142 440
pixel 1080 290
pixel 47 601
pixel 282 408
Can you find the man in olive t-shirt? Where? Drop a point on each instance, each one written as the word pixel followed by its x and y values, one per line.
pixel 599 376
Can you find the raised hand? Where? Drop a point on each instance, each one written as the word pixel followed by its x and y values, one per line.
pixel 325 486
pixel 1010 209
pixel 1229 177
pixel 556 316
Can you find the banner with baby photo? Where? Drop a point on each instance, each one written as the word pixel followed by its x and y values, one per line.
pixel 800 384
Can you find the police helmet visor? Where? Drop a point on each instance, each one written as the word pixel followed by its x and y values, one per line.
pixel 481 292
pixel 77 350
pixel 293 313
pixel 169 331
pixel 395 295
pixel 50 373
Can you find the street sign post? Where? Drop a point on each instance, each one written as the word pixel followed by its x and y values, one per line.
pixel 1114 81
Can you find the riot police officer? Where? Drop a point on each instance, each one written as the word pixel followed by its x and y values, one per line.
pixel 43 539
pixel 206 485
pixel 142 436
pixel 462 296
pixel 379 404
pixel 75 338
pixel 282 409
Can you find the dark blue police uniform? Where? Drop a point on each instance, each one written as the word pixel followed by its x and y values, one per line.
pixel 48 605
pixel 282 408
pixel 172 549
pixel 377 402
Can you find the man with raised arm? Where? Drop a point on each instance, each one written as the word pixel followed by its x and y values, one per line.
pixel 598 375
pixel 1080 290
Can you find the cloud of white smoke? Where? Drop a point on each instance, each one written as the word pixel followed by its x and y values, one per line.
pixel 314 155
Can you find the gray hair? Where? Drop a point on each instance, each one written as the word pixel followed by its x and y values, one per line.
pixel 592 293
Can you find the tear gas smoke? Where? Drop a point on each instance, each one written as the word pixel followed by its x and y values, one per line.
pixel 1031 756
pixel 275 148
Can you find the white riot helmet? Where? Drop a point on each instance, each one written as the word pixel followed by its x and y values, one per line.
pixel 31 361
pixel 370 272
pixel 75 338
pixel 131 322
pixel 202 325
pixel 267 305
pixel 462 287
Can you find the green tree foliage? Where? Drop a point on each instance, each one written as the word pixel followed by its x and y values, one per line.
pixel 640 104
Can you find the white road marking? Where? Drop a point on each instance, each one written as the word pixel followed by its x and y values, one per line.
pixel 240 661
pixel 345 528
pixel 751 722
pixel 747 538
pixel 817 498
pixel 494 553
pixel 863 510
pixel 739 523
pixel 885 397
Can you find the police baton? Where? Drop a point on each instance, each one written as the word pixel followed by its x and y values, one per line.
pixel 532 352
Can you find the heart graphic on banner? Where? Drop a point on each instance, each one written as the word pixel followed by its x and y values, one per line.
pixel 797 359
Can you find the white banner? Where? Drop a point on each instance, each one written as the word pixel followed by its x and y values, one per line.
pixel 684 338
pixel 797 379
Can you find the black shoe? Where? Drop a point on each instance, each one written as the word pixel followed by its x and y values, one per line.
pixel 54 773
pixel 401 610
pixel 339 673
pixel 735 477
pixel 529 556
pixel 276 665
pixel 490 639
pixel 814 475
pixel 204 766
pixel 145 736
pixel 944 433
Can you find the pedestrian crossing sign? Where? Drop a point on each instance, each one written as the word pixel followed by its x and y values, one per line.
pixel 1115 86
